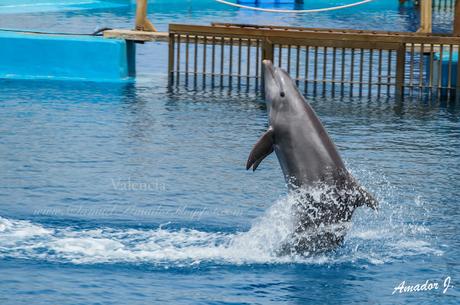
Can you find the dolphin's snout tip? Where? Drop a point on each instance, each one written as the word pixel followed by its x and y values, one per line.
pixel 267 62
pixel 268 67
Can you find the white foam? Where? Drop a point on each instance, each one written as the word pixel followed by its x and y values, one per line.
pixel 373 239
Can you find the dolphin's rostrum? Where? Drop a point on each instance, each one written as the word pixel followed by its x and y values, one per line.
pixel 327 194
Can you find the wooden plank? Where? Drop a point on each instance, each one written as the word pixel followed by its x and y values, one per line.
pixel 323 30
pixel 281 34
pixel 356 44
pixel 274 34
pixel 142 36
pixel 137 35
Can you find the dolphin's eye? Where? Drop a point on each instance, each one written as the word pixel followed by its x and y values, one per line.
pixel 282 94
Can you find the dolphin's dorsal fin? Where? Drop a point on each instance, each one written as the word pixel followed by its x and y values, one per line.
pixel 262 149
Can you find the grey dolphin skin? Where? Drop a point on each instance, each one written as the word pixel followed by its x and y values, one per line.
pixel 327 194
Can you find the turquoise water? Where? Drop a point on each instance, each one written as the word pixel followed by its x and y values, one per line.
pixel 136 193
pixel 46 6
pixel 86 15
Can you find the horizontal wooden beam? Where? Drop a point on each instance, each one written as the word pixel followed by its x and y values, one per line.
pixel 142 36
pixel 318 30
pixel 274 35
pixel 137 35
pixel 287 36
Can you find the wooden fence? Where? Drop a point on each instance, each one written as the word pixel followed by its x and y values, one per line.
pixel 443 5
pixel 322 60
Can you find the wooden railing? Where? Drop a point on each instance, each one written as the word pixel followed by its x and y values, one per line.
pixel 443 5
pixel 356 62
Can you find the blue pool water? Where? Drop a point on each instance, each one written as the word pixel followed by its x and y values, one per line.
pixel 41 6
pixel 135 193
pixel 86 15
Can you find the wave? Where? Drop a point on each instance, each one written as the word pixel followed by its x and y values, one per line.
pixel 372 239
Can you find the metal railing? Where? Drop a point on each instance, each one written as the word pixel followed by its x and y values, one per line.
pixel 322 60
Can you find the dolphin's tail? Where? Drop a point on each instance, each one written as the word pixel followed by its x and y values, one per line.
pixel 366 198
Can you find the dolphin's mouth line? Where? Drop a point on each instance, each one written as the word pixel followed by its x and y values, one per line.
pixel 275 75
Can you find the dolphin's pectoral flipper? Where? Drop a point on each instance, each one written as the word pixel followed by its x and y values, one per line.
pixel 262 149
pixel 256 164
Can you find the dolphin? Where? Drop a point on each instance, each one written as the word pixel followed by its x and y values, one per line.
pixel 326 193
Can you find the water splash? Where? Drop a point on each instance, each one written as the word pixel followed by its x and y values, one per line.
pixel 372 239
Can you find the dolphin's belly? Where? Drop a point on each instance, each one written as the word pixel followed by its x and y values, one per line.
pixel 305 160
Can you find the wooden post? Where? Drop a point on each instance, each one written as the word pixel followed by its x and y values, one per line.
pixel 456 32
pixel 425 16
pixel 267 50
pixel 131 53
pixel 142 22
pixel 400 69
pixel 457 18
pixel 171 59
pixel 267 54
